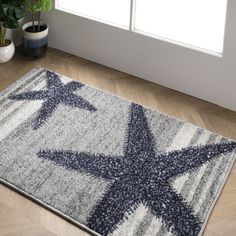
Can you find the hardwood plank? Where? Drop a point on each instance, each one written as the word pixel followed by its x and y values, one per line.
pixel 13 223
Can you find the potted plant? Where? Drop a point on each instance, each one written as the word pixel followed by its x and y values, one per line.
pixel 11 11
pixel 35 38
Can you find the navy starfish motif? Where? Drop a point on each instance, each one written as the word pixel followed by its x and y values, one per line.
pixel 56 93
pixel 141 176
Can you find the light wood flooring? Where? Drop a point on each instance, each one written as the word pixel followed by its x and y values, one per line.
pixel 21 217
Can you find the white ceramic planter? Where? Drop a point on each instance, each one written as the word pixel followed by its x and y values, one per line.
pixel 7 52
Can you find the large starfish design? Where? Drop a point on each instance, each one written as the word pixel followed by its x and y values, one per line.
pixel 141 176
pixel 56 93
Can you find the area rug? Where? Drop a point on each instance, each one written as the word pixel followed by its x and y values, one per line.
pixel 109 165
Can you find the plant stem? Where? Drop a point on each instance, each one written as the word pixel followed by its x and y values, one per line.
pixel 33 15
pixel 39 21
pixel 4 35
pixel 33 22
pixel 1 33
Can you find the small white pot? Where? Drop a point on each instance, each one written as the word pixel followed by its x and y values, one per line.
pixel 7 52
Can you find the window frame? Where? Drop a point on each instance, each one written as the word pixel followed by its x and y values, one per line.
pixel 132 29
pixel 57 7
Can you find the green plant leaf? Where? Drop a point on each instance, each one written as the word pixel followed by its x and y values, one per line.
pixel 36 8
pixel 20 12
pixel 5 9
pixel 46 5
pixel 11 11
pixel 10 23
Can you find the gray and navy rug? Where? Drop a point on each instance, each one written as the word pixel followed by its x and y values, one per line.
pixel 107 164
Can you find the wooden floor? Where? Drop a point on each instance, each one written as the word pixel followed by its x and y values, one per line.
pixel 22 217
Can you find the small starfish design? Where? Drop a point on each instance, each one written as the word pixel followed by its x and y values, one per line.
pixel 141 176
pixel 56 93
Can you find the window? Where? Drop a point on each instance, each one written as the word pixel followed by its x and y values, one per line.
pixel 198 24
pixel 115 12
pixel 194 22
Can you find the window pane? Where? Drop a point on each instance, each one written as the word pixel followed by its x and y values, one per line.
pixel 199 23
pixel 109 11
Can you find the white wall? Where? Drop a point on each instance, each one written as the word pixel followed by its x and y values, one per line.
pixel 198 74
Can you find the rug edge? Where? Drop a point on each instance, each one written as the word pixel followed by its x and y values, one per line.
pixel 24 76
pixel 47 207
pixel 226 177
